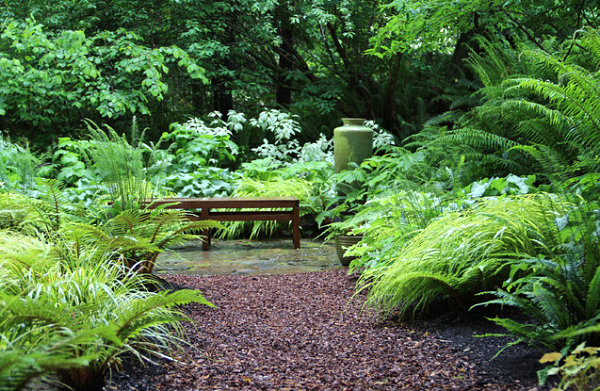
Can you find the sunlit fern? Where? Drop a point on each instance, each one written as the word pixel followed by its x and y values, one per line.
pixel 136 237
pixel 127 167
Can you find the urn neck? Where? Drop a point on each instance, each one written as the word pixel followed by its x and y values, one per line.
pixel 353 121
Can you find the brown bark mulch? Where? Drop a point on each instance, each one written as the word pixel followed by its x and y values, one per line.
pixel 301 332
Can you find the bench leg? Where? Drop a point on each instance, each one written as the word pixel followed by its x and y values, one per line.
pixel 296 227
pixel 206 232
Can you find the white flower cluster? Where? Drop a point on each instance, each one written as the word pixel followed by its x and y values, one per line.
pixel 382 139
pixel 284 127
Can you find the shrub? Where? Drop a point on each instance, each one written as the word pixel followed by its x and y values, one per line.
pixel 200 155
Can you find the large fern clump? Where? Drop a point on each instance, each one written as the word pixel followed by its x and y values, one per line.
pixel 463 253
pixel 75 294
pixel 136 237
pixel 130 169
pixel 563 126
pixel 560 296
pixel 560 293
pixel 537 112
pixel 70 312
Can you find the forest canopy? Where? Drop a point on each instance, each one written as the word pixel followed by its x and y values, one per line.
pixel 397 62
pixel 474 89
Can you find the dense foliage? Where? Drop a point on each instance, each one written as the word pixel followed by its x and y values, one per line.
pixel 490 199
pixel 167 60
pixel 72 301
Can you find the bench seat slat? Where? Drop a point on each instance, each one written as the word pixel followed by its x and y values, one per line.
pixel 229 202
pixel 246 215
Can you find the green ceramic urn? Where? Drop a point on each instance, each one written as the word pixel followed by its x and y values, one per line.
pixel 352 142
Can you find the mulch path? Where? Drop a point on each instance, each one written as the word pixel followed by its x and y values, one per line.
pixel 301 332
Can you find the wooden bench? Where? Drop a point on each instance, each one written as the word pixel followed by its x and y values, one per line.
pixel 290 205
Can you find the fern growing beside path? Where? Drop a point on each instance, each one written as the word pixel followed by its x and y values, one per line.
pixel 137 237
pixel 73 312
pixel 559 294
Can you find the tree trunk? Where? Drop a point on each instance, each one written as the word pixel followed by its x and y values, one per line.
pixel 198 96
pixel 388 115
pixel 283 92
pixel 461 50
pixel 222 97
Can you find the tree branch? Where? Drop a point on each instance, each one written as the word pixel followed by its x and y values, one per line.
pixel 524 29
pixel 579 16
pixel 340 49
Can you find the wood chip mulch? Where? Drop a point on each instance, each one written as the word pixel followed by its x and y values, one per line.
pixel 301 332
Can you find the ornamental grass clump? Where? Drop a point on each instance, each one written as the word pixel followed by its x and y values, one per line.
pixel 69 313
pixel 463 253
pixel 277 187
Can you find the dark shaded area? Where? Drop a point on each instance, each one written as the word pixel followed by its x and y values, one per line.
pixel 299 332
pixel 462 332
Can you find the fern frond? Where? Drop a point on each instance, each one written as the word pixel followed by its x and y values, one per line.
pixel 551 161
pixel 478 138
pixel 141 313
pixel 533 334
pixel 592 298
